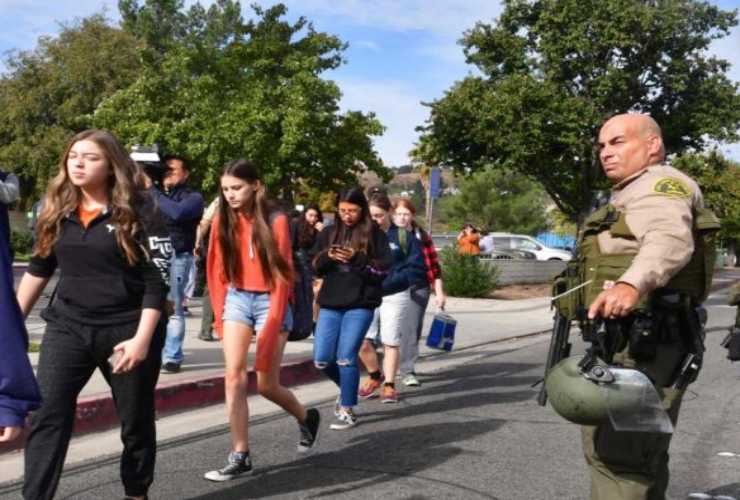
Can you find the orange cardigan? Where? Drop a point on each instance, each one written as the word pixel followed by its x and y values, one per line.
pixel 253 280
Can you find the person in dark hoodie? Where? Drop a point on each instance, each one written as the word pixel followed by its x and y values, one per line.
pixel 392 317
pixel 103 232
pixel 182 209
pixel 9 193
pixel 352 257
pixel 19 393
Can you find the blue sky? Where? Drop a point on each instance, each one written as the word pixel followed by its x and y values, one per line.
pixel 402 52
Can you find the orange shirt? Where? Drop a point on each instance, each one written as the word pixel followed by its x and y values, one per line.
pixel 87 216
pixel 468 244
pixel 253 280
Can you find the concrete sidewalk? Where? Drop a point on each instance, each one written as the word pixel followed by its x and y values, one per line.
pixel 200 382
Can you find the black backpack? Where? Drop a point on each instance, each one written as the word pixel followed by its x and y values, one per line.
pixel 303 324
pixel 302 304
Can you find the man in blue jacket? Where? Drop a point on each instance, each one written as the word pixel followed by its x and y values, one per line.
pixel 182 209
pixel 19 393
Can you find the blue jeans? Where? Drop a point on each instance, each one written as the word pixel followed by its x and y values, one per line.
pixel 179 271
pixel 339 335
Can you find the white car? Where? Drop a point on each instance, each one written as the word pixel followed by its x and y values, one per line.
pixel 508 241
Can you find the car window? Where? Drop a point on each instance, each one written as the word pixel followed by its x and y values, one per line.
pixel 501 243
pixel 525 244
pixel 522 244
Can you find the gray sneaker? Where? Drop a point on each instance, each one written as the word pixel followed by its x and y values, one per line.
pixel 410 380
pixel 235 467
pixel 345 420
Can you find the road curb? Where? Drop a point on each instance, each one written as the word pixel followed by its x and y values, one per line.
pixel 97 413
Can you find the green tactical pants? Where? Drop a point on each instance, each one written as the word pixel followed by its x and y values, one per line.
pixel 634 465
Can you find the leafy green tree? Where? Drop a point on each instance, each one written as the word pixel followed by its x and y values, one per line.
pixel 497 200
pixel 553 70
pixel 719 179
pixel 51 92
pixel 215 88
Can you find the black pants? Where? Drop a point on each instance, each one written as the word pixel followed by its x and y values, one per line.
pixel 70 352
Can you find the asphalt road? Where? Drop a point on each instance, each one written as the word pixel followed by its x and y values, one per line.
pixel 471 431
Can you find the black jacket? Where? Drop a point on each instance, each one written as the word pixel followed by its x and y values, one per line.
pixel 97 286
pixel 357 284
pixel 182 209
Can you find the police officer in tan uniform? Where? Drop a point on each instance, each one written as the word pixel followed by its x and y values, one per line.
pixel 659 204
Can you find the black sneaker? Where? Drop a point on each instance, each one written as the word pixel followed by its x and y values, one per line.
pixel 171 367
pixel 207 336
pixel 234 468
pixel 309 430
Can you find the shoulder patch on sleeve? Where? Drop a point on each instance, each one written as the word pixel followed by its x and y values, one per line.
pixel 670 186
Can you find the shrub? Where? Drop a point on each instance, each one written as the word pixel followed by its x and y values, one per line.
pixel 22 242
pixel 466 275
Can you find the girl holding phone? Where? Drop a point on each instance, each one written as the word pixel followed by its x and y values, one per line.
pixel 352 256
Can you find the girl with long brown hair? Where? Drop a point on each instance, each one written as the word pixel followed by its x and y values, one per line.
pixel 250 278
pixel 392 317
pixel 101 230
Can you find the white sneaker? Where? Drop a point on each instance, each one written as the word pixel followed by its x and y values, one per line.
pixel 410 380
pixel 345 420
pixel 338 406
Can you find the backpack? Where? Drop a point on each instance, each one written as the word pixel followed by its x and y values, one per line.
pixel 302 304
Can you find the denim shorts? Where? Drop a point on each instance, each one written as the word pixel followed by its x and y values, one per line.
pixel 251 308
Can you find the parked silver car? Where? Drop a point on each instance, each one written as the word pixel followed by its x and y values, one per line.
pixel 508 242
pixel 443 240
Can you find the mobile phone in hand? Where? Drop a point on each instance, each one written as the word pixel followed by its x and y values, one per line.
pixel 114 359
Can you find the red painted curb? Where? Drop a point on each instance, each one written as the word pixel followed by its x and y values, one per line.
pixel 97 413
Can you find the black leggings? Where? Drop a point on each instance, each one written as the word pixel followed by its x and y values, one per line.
pixel 70 352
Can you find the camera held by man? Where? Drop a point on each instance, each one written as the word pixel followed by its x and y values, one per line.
pixel 149 159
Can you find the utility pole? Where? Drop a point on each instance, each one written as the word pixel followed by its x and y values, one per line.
pixel 432 193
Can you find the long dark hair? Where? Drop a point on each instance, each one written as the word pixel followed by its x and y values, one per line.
pixel 358 236
pixel 258 208
pixel 306 232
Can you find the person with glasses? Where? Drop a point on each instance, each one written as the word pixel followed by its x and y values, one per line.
pixel 353 257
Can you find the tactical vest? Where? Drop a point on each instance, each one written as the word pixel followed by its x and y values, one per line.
pixel 592 265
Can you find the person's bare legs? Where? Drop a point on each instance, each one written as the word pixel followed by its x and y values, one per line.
pixel 369 357
pixel 391 358
pixel 236 340
pixel 268 384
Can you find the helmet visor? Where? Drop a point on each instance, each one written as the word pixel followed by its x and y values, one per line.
pixel 633 404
